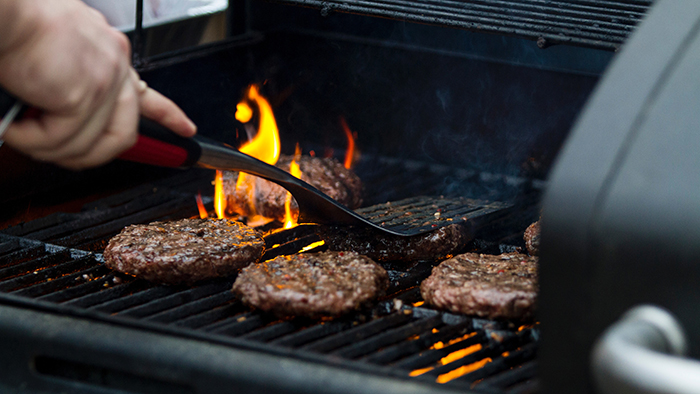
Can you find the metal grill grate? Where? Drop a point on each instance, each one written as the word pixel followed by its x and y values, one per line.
pixel 603 24
pixel 44 265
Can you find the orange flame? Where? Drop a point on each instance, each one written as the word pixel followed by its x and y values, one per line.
pixel 456 355
pixel 350 151
pixel 219 196
pixel 289 220
pixel 463 370
pixel 265 146
pixel 203 214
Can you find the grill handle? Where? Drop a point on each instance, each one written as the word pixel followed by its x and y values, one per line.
pixel 642 353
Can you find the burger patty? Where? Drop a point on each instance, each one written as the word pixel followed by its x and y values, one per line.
pixel 268 199
pixel 184 251
pixel 532 239
pixel 434 245
pixel 492 286
pixel 312 284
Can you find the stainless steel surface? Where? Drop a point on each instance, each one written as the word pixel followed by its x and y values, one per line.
pixel 642 353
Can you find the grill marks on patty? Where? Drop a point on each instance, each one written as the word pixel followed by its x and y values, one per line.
pixel 325 174
pixel 312 284
pixel 184 251
pixel 492 286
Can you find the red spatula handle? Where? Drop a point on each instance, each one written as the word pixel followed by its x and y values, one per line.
pixel 159 146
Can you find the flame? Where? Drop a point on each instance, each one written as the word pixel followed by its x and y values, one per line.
pixel 219 197
pixel 456 355
pixel 312 246
pixel 243 112
pixel 463 370
pixel 203 214
pixel 350 151
pixel 289 220
pixel 266 144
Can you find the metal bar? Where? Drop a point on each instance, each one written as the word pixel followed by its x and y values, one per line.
pixel 21 256
pixel 428 357
pixel 188 309
pixel 239 325
pixel 424 341
pixel 100 295
pixel 95 283
pixel 30 266
pixel 275 330
pixel 175 299
pixel 590 24
pixel 137 56
pixel 515 359
pixel 213 315
pixel 60 280
pixel 313 333
pixel 101 302
pixel 524 371
pixel 357 333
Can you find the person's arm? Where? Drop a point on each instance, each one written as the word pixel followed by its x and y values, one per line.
pixel 62 57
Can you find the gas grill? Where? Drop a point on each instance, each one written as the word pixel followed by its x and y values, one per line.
pixel 53 265
pixel 457 105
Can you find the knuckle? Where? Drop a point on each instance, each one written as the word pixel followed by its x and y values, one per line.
pixel 122 42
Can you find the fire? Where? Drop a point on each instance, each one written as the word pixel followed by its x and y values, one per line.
pixel 203 214
pixel 289 219
pixel 463 370
pixel 456 355
pixel 219 196
pixel 266 144
pixel 350 151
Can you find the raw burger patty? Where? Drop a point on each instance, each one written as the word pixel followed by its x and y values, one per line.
pixel 184 251
pixel 312 284
pixel 492 286
pixel 434 245
pixel 325 174
pixel 532 239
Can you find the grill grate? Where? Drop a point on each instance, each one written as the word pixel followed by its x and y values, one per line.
pixel 42 265
pixel 603 24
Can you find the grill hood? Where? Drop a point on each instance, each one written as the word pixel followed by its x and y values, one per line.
pixel 621 224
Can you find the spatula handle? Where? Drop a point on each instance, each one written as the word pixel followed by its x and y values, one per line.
pixel 159 146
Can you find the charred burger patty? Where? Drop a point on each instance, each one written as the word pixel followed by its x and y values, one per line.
pixel 312 284
pixel 268 199
pixel 184 251
pixel 492 286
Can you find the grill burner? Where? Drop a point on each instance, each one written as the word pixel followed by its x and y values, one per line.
pixel 51 264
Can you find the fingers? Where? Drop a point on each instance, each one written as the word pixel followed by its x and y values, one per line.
pixel 161 109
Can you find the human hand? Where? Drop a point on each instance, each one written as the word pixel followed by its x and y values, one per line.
pixel 63 58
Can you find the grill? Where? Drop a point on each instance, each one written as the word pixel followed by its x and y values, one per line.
pixel 53 264
pixel 595 24
pixel 448 120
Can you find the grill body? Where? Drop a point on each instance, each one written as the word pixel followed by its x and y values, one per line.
pixel 440 108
